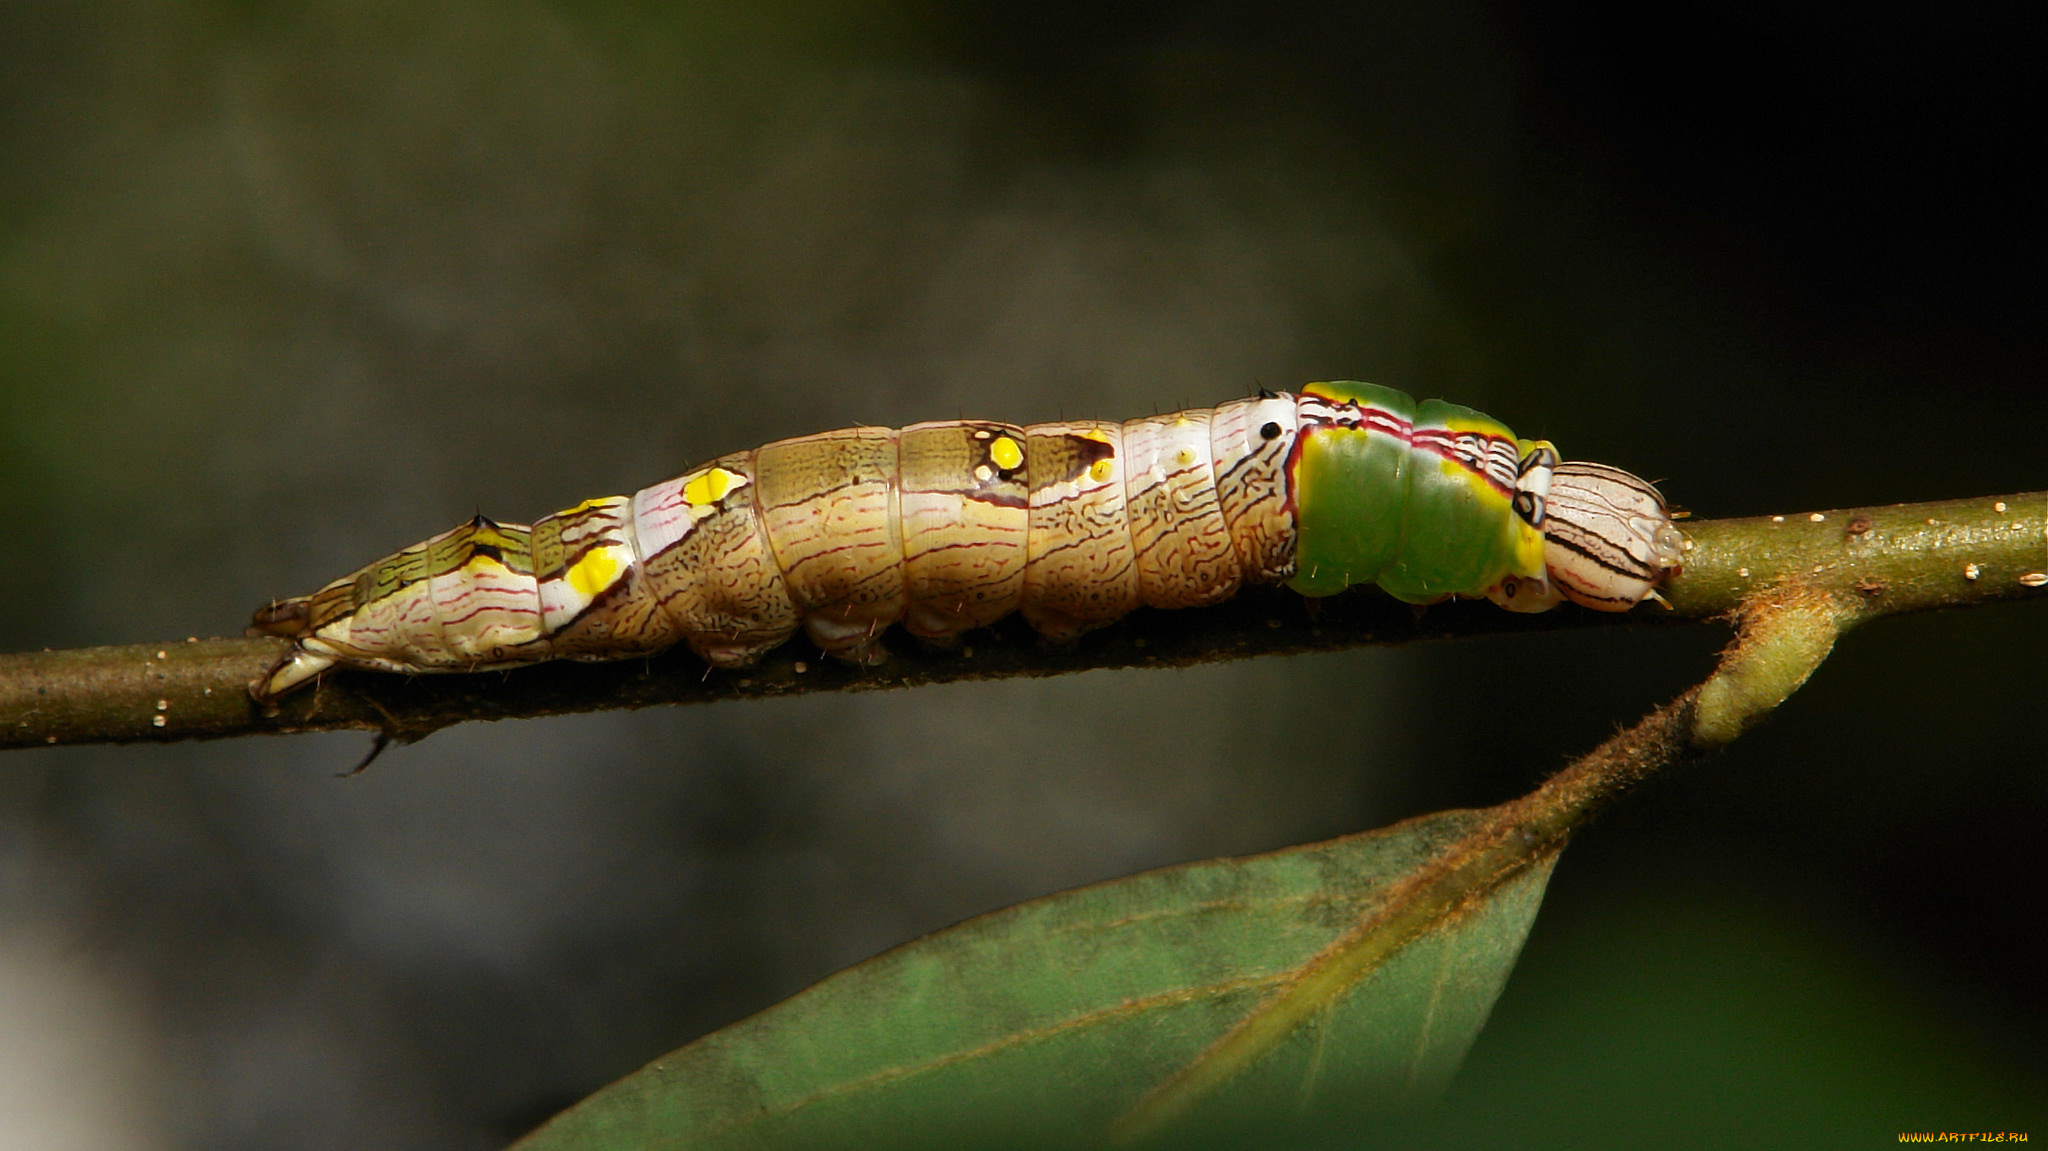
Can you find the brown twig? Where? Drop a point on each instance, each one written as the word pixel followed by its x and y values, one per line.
pixel 1910 557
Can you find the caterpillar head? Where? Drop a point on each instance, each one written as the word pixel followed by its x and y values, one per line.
pixel 1608 542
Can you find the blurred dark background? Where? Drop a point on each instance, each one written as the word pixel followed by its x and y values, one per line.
pixel 286 286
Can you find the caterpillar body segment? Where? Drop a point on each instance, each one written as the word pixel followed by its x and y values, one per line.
pixel 951 525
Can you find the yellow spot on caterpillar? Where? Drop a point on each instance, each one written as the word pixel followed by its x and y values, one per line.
pixel 585 506
pixel 1529 549
pixel 1185 457
pixel 594 572
pixel 1006 453
pixel 1096 434
pixel 711 487
pixel 1101 470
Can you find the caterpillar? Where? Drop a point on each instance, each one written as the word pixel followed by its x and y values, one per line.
pixel 952 525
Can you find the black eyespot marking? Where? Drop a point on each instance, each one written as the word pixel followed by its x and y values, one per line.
pixel 1271 431
pixel 1529 508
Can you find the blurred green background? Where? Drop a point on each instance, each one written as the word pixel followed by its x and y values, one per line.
pixel 286 286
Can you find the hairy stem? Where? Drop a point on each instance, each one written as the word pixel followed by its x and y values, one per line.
pixel 1876 561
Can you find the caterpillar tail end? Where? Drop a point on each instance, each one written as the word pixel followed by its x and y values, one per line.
pixel 290 619
pixel 287 618
pixel 294 670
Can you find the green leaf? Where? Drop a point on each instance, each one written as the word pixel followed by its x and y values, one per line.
pixel 1094 1016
